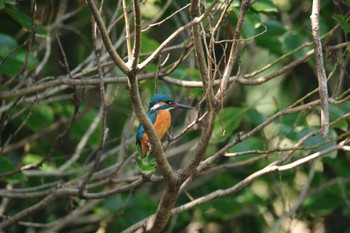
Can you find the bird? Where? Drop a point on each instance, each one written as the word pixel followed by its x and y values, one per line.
pixel 159 114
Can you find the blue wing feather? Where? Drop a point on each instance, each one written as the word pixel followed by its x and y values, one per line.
pixel 152 115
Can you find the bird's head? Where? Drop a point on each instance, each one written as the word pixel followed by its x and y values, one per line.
pixel 164 102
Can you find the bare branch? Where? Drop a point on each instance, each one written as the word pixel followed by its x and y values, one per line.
pixel 104 108
pixel 127 31
pixel 106 40
pixel 245 4
pixel 249 179
pixel 174 35
pixel 321 73
pixel 137 35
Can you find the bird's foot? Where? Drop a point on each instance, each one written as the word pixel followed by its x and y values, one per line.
pixel 149 146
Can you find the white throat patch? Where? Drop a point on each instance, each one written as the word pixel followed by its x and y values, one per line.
pixel 155 107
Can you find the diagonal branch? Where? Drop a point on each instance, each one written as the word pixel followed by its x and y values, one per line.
pixel 106 40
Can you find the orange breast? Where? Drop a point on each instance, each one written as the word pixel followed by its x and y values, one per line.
pixel 161 125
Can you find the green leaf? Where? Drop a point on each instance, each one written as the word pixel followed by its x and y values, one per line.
pixel 274 27
pixel 252 143
pixel 20 17
pixel 7 44
pixel 144 204
pixel 82 124
pixel 318 140
pixel 41 117
pixel 114 203
pixel 343 23
pixel 148 44
pixel 222 209
pixel 24 20
pixel 34 159
pixel 336 112
pixel 12 2
pixel 293 40
pixel 254 117
pixel 323 203
pixel 264 6
pixel 7 166
pixel 288 122
pixel 146 164
pixel 270 39
pixel 339 166
pixel 14 61
pixel 226 122
pixel 251 23
pixel 2 4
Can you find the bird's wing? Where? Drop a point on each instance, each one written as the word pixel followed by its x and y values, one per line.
pixel 152 115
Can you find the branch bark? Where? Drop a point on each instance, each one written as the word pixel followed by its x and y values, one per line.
pixel 321 73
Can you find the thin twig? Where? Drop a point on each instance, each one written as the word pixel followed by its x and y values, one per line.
pixel 104 108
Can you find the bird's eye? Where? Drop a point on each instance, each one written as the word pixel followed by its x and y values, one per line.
pixel 169 102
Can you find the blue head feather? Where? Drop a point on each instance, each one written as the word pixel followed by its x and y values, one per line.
pixel 158 98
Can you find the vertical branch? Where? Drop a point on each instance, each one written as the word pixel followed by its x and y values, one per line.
pixel 197 43
pixel 199 52
pixel 127 31
pixel 104 107
pixel 234 49
pixel 137 35
pixel 190 168
pixel 321 73
pixel 164 209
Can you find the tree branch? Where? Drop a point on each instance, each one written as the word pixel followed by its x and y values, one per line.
pixel 104 108
pixel 106 40
pixel 252 177
pixel 137 35
pixel 321 73
pixel 234 49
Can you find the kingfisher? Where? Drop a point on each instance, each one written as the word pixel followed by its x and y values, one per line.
pixel 159 114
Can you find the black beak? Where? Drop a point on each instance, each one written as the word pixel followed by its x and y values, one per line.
pixel 183 106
